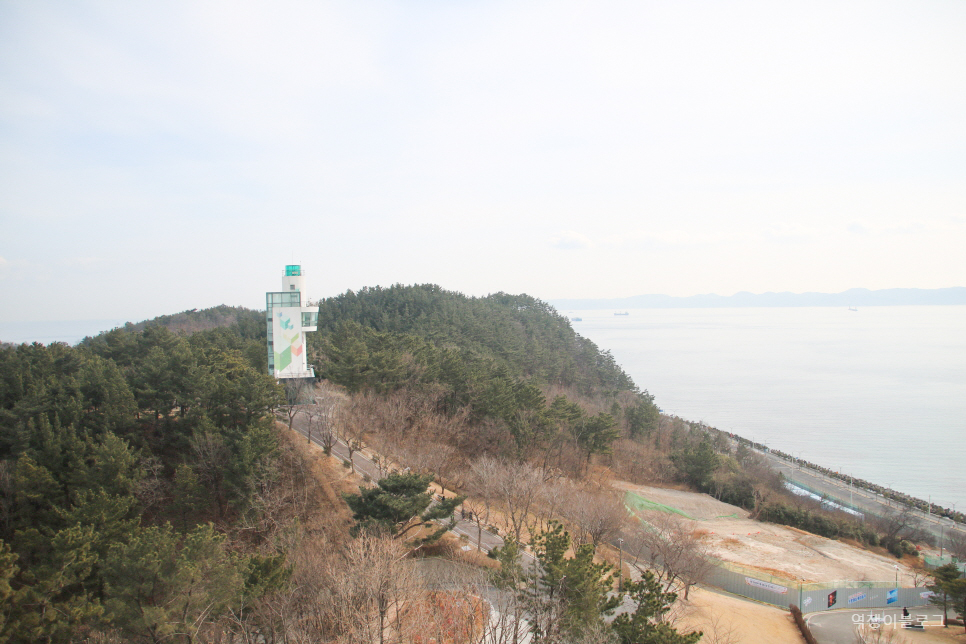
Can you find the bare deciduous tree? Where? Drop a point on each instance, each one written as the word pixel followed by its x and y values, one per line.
pixel 668 546
pixel 370 582
pixel 278 494
pixel 897 524
pixel 442 461
pixel 353 422
pixel 507 624
pixel 956 544
pixel 298 393
pixel 719 631
pixel 320 422
pixel 920 577
pixel 597 634
pixel 597 516
pixel 210 454
pixel 383 465
pixel 554 497
pixel 517 487
pixel 482 481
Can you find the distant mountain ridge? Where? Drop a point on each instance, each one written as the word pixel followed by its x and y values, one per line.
pixel 853 297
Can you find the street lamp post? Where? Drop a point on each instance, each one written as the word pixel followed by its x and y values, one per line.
pixel 620 566
pixel 897 575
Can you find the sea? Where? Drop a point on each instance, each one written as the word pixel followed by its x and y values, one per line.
pixel 878 393
pixel 48 331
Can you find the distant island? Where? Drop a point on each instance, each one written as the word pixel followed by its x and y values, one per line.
pixel 854 297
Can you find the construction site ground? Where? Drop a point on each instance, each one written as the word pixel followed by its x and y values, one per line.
pixel 773 549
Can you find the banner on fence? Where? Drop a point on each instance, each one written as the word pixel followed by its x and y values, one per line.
pixel 766 585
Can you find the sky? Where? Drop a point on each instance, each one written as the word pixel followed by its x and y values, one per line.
pixel 158 157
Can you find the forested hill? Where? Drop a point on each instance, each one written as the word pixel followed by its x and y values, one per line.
pixel 250 323
pixel 382 337
pixel 125 464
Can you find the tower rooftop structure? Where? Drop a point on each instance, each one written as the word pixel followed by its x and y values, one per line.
pixel 288 319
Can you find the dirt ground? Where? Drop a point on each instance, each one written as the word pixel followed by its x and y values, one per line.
pixel 777 550
pixel 725 619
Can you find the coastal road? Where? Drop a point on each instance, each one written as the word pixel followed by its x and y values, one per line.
pixel 859 499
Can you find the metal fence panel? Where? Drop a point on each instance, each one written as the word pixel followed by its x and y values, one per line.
pixel 934 562
pixel 767 591
pixel 812 598
pixel 859 598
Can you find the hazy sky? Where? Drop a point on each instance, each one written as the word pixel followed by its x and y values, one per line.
pixel 160 156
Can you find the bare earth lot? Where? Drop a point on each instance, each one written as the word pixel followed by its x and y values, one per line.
pixel 724 618
pixel 777 550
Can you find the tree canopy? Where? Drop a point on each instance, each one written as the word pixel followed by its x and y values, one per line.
pixel 387 331
pixel 101 445
pixel 399 503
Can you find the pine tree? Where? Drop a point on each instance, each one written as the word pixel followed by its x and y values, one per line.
pixel 645 625
pixel 399 503
pixel 156 588
pixel 941 577
pixel 569 595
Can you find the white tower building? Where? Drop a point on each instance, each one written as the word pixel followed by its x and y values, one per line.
pixel 288 321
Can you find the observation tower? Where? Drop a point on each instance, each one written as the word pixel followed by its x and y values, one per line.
pixel 289 318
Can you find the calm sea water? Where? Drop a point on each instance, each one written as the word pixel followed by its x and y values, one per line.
pixel 879 393
pixel 47 331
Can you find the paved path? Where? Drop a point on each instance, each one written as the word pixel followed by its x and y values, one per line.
pixel 839 626
pixel 365 465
